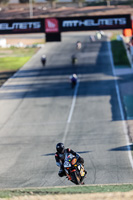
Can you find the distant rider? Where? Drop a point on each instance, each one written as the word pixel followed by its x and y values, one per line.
pixel 74 59
pixel 78 45
pixel 43 60
pixel 74 79
pixel 60 156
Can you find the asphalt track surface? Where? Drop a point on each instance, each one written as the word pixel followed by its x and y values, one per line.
pixel 38 108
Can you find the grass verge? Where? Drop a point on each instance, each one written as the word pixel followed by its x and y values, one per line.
pixel 14 58
pixel 67 190
pixel 119 54
pixel 12 63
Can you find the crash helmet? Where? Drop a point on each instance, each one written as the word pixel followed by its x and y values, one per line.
pixel 60 147
pixel 43 56
pixel 74 76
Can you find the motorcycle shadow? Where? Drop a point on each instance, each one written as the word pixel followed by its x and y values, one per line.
pixel 52 154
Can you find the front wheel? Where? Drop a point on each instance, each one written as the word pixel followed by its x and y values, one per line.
pixel 75 178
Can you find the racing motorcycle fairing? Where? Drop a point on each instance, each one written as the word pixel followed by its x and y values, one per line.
pixel 74 170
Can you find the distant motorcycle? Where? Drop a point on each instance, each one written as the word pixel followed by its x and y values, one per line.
pixel 74 59
pixel 43 60
pixel 92 38
pixel 75 171
pixel 73 79
pixel 78 45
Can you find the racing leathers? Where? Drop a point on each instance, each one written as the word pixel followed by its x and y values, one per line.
pixel 60 160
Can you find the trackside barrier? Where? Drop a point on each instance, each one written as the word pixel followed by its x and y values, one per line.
pixel 128 51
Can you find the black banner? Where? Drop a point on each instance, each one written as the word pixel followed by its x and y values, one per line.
pixel 107 22
pixel 21 26
pixel 57 25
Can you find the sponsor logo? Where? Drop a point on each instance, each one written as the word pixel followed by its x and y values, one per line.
pixel 92 22
pixel 51 25
pixel 20 26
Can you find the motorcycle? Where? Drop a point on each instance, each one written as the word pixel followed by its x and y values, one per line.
pixel 73 79
pixel 75 171
pixel 78 45
pixel 92 38
pixel 43 60
pixel 74 59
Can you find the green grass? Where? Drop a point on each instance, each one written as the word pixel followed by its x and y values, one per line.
pixel 67 190
pixel 12 63
pixel 119 53
pixel 14 58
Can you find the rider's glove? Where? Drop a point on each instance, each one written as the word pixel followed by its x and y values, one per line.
pixel 58 164
pixel 77 156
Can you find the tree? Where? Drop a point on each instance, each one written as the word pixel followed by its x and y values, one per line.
pixel 53 3
pixel 108 2
pixel 24 1
pixel 4 1
pixel 80 3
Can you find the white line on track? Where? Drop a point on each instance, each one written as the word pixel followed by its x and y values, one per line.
pixel 73 102
pixel 71 112
pixel 121 108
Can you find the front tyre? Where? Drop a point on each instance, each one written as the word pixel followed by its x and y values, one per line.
pixel 75 178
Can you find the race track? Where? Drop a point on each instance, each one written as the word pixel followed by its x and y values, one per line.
pixel 38 108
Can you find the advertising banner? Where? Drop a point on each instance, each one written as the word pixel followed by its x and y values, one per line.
pixel 107 22
pixel 21 26
pixel 57 25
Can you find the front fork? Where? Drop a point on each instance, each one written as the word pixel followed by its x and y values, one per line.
pixel 68 173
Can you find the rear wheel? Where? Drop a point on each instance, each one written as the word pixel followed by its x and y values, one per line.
pixel 75 178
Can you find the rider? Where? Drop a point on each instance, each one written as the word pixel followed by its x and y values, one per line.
pixel 74 59
pixel 74 79
pixel 60 156
pixel 78 45
pixel 43 59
